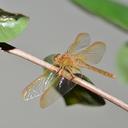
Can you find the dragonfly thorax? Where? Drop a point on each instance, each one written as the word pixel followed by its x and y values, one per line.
pixel 64 60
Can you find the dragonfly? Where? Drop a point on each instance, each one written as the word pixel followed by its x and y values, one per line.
pixel 80 54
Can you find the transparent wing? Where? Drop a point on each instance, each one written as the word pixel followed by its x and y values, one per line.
pixel 94 53
pixel 81 41
pixel 49 97
pixel 58 89
pixel 37 87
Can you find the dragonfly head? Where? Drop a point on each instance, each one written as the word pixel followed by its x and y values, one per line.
pixel 63 60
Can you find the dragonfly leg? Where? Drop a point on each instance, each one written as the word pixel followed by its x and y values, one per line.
pixel 68 69
pixel 70 72
pixel 59 72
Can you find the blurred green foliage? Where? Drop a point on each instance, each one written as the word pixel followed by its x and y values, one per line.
pixel 11 25
pixel 110 10
pixel 122 63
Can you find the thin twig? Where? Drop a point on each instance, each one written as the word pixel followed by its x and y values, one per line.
pixel 10 49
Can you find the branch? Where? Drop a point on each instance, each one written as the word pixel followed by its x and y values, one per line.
pixel 10 49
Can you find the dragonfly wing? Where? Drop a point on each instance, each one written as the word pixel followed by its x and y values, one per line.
pixel 94 53
pixel 81 41
pixel 37 87
pixel 49 97
pixel 59 88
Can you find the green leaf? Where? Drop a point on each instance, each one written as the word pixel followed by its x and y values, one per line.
pixel 122 63
pixel 11 25
pixel 78 94
pixel 50 58
pixel 110 10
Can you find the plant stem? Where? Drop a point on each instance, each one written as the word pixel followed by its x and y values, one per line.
pixel 10 49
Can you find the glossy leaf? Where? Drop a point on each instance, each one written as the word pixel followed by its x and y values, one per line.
pixel 122 63
pixel 11 25
pixel 110 10
pixel 50 58
pixel 80 95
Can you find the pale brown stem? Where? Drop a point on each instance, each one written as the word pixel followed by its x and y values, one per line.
pixel 76 80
